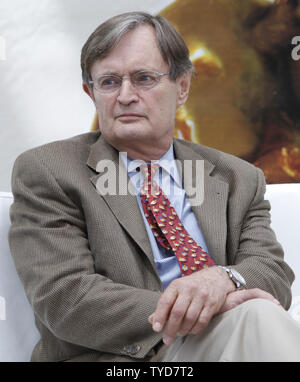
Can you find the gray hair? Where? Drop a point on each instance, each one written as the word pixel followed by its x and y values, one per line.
pixel 100 43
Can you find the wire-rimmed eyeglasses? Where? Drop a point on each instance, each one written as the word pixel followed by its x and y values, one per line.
pixel 143 79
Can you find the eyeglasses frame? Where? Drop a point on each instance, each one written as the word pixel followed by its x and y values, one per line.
pixel 160 75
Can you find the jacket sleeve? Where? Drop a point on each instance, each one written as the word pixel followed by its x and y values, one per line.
pixel 259 257
pixel 50 248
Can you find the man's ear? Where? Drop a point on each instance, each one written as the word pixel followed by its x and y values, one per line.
pixel 88 91
pixel 183 88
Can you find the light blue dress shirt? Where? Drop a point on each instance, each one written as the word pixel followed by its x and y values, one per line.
pixel 169 180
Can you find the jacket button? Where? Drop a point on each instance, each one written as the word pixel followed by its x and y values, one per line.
pixel 132 349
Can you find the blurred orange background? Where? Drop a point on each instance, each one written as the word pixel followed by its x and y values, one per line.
pixel 245 98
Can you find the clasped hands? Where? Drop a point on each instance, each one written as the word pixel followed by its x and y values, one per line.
pixel 189 303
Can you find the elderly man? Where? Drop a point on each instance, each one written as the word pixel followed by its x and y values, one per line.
pixel 147 273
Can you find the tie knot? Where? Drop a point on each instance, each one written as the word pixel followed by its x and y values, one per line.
pixel 149 171
pixel 149 186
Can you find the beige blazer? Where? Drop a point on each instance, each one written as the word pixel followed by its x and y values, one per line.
pixel 85 259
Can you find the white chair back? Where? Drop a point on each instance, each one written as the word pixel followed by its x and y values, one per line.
pixel 18 333
pixel 285 221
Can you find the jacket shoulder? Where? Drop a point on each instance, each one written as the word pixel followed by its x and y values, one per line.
pixel 225 164
pixel 217 157
pixel 76 145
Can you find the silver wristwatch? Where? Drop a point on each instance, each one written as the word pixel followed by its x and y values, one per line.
pixel 235 277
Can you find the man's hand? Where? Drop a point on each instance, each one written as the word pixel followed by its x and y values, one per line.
pixel 189 303
pixel 236 298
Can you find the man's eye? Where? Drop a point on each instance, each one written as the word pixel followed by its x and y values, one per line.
pixel 108 82
pixel 145 78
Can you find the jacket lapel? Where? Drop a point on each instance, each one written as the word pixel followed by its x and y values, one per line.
pixel 211 213
pixel 123 205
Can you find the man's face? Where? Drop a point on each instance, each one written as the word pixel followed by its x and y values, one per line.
pixel 131 117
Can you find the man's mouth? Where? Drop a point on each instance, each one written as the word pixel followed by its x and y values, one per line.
pixel 129 116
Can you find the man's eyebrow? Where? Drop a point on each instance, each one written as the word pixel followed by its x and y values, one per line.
pixel 112 73
pixel 108 73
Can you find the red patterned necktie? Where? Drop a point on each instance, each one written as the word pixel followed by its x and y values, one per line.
pixel 167 227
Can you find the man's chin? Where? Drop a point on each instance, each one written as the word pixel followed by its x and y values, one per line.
pixel 134 131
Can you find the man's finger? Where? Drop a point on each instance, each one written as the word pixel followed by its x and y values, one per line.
pixel 238 297
pixel 191 317
pixel 203 320
pixel 163 308
pixel 176 317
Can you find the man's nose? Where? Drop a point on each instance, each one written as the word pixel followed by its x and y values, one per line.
pixel 127 92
